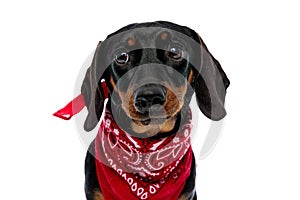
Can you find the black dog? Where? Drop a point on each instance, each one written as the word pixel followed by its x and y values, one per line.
pixel 151 71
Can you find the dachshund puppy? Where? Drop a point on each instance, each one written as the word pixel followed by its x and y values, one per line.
pixel 143 149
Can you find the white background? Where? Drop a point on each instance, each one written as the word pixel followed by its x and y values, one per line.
pixel 44 43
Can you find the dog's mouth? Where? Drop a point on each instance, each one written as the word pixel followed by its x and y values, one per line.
pixel 153 117
pixel 148 121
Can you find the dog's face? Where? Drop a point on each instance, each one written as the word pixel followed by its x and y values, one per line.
pixel 152 70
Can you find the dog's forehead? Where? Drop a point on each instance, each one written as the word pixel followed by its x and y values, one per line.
pixel 142 36
pixel 149 36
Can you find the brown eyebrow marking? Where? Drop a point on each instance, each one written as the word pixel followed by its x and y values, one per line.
pixel 131 42
pixel 164 36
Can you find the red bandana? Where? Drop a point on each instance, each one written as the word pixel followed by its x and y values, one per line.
pixel 134 168
pixel 138 168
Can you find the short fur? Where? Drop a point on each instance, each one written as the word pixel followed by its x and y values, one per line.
pixel 207 79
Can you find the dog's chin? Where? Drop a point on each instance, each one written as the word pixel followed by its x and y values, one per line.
pixel 151 121
pixel 152 126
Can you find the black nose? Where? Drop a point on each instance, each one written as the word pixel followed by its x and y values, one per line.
pixel 148 95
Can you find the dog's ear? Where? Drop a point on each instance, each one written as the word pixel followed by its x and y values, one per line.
pixel 93 92
pixel 210 83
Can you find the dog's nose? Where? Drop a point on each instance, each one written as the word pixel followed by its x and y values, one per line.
pixel 149 95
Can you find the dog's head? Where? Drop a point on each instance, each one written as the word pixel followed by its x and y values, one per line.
pixel 152 71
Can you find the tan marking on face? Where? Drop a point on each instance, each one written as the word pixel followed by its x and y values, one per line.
pixel 128 103
pixel 164 36
pixel 131 42
pixel 173 104
pixel 174 100
pixel 168 125
pixel 112 82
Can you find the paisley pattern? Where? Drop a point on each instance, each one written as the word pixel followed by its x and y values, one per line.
pixel 146 165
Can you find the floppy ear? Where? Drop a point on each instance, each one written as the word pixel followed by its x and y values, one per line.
pixel 93 92
pixel 210 84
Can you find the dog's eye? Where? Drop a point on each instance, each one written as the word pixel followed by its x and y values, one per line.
pixel 122 58
pixel 175 52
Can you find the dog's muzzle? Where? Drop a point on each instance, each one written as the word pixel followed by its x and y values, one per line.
pixel 149 95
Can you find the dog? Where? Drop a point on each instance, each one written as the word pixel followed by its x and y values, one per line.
pixel 149 73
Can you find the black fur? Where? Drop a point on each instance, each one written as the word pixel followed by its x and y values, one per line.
pixel 209 83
